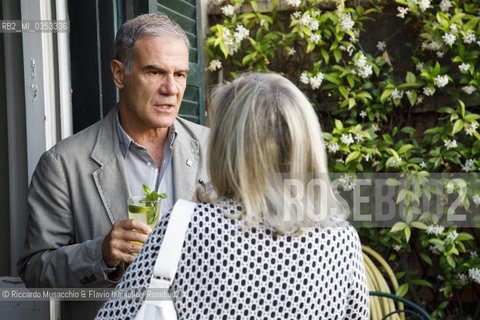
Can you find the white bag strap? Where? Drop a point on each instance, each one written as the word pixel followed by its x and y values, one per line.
pixel 169 255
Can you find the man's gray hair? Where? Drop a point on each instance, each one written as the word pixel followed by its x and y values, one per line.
pixel 147 25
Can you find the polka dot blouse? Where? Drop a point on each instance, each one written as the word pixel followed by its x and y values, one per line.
pixel 229 272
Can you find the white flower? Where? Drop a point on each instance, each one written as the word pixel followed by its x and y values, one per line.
pixel 358 137
pixel 462 279
pixel 468 166
pixel 469 38
pixel 396 94
pixel 476 199
pixel 294 3
pixel 449 38
pixel 292 52
pixel 347 181
pixel 450 143
pixel 241 33
pixel 424 4
pixel 440 54
pixel 440 278
pixel 442 81
pixel 394 163
pixel 469 89
pixel 363 114
pixel 313 25
pixel 423 165
pixel 428 92
pixel 364 69
pixel 419 66
pixel 215 65
pixel 445 5
pixel 262 22
pixel 340 161
pixel 367 157
pixel 436 249
pixel 435 230
pixel 397 247
pixel 348 140
pixel 297 14
pixel 316 81
pixel 304 78
pixel 473 254
pixel 306 20
pixel 464 67
pixel 228 10
pixel 470 129
pixel 365 72
pixel 452 235
pixel 346 22
pixel 314 38
pixel 474 275
pixel 454 28
pixel 381 45
pixel 333 147
pixel 434 46
pixel 374 128
pixel 402 11
pixel 419 100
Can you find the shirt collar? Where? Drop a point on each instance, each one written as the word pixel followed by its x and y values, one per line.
pixel 125 140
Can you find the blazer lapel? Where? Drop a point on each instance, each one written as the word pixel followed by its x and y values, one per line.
pixel 185 160
pixel 111 177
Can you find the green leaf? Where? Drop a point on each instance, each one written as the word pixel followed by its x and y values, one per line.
pixel 462 108
pixel 351 103
pixel 387 138
pixel 352 156
pixel 254 5
pixel 426 258
pixel 464 236
pixel 343 91
pixel 451 261
pixel 422 282
pixel 458 126
pixel 332 79
pixel 402 290
pixel 408 233
pixel 385 95
pixel 399 226
pixel 338 124
pixel 392 182
pixel 405 148
pixel 410 77
pixel 419 225
pixel 337 54
pixel 146 189
pixel 437 242
pixel 326 56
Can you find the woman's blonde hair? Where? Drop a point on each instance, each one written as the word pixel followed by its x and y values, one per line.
pixel 265 150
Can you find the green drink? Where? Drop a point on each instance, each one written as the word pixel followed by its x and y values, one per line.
pixel 146 211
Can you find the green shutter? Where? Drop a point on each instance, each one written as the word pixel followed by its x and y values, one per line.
pixel 187 13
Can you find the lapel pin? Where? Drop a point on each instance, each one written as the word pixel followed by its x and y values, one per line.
pixel 189 162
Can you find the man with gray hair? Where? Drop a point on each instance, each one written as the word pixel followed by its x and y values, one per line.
pixel 79 234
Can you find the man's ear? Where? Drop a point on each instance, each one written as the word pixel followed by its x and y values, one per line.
pixel 118 73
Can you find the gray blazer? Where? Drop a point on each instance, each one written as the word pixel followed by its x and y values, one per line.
pixel 79 189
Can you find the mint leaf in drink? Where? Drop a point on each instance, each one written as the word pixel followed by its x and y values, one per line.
pixel 151 196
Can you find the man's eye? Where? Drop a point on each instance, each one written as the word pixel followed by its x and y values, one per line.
pixel 181 75
pixel 154 73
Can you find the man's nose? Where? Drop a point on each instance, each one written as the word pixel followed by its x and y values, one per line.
pixel 169 86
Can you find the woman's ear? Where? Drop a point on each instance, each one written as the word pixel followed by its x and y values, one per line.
pixel 118 73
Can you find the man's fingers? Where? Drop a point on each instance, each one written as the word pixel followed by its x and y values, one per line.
pixel 131 224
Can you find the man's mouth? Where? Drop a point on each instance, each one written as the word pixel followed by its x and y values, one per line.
pixel 164 106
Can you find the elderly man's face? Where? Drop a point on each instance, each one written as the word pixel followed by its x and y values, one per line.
pixel 153 89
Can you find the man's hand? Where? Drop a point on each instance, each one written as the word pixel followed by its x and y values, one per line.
pixel 117 245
